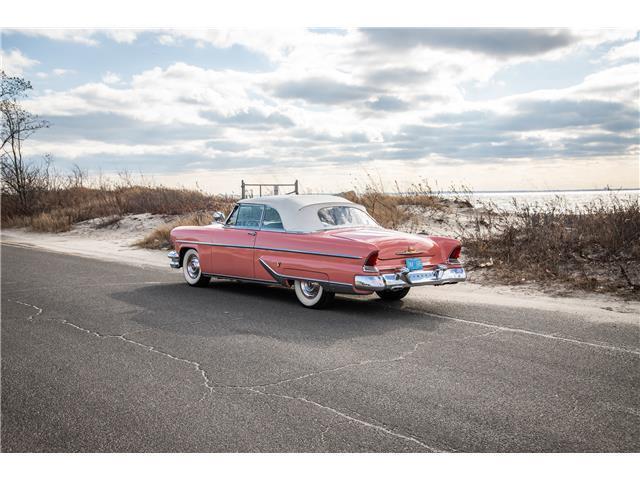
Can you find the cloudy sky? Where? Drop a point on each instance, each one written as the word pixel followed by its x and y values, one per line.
pixel 493 109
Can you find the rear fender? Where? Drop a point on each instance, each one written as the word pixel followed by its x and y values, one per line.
pixel 446 245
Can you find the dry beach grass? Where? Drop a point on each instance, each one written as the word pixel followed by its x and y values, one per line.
pixel 592 247
pixel 58 210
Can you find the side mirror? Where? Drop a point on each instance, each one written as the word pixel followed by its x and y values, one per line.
pixel 218 217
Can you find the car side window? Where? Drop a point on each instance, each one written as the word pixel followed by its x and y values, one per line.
pixel 249 216
pixel 231 221
pixel 272 220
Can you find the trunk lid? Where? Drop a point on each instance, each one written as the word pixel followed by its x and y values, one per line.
pixel 394 247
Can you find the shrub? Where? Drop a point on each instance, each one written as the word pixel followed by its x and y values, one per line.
pixel 159 237
pixel 595 247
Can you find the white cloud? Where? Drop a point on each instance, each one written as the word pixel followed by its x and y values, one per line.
pixel 332 99
pixel 167 39
pixel 111 78
pixel 56 72
pixel 84 36
pixel 628 51
pixel 613 84
pixel 14 63
pixel 123 36
pixel 82 148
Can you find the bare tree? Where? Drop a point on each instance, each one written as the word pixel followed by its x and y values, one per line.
pixel 19 178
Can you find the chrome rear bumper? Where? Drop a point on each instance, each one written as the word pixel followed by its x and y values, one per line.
pixel 174 259
pixel 441 275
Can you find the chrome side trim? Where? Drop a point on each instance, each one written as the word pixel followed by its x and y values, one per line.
pixel 276 276
pixel 337 287
pixel 230 245
pixel 308 252
pixel 244 279
pixel 272 249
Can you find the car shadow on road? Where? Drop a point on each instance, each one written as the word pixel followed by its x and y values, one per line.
pixel 233 308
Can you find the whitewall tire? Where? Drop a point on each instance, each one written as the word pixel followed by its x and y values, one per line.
pixel 191 269
pixel 312 294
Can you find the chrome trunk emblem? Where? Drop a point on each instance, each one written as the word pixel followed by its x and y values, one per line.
pixel 409 251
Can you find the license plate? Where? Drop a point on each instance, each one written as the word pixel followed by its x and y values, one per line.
pixel 413 264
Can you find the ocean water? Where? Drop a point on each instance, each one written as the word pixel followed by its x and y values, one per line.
pixel 569 198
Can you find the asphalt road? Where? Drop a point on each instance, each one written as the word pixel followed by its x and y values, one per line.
pixel 100 356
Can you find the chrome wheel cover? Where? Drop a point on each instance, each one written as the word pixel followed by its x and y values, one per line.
pixel 309 289
pixel 193 267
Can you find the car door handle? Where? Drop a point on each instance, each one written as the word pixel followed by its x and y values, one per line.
pixel 253 234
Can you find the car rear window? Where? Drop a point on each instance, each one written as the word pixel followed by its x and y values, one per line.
pixel 344 216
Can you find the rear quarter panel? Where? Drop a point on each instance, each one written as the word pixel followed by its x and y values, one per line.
pixel 446 246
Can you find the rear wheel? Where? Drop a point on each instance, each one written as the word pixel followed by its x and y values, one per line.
pixel 312 294
pixel 191 269
pixel 393 295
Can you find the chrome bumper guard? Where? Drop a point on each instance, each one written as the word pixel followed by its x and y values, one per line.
pixel 441 275
pixel 174 258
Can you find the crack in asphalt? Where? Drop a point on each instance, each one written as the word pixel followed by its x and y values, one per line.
pixel 398 358
pixel 373 426
pixel 207 383
pixel 478 335
pixel 403 356
pixel 210 385
pixel 32 316
pixel 323 432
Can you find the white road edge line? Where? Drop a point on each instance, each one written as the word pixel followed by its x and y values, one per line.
pixel 527 332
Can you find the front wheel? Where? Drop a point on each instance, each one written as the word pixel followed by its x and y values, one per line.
pixel 191 269
pixel 312 294
pixel 393 295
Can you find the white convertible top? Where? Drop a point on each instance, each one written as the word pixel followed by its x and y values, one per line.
pixel 299 213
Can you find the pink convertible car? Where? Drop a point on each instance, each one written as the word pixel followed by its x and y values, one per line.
pixel 319 244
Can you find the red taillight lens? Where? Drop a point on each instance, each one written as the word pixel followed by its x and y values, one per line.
pixel 455 254
pixel 371 260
